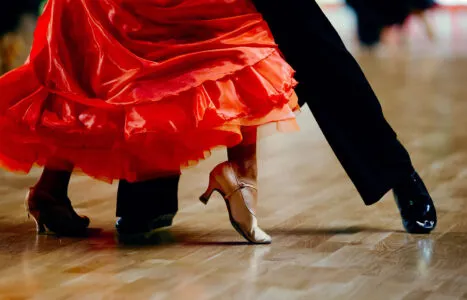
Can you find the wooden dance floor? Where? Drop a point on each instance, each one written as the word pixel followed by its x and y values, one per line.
pixel 326 243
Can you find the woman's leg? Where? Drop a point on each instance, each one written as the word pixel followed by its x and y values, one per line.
pixel 54 182
pixel 421 14
pixel 243 156
pixel 236 180
pixel 49 204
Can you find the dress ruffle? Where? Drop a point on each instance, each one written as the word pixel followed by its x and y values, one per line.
pixel 135 109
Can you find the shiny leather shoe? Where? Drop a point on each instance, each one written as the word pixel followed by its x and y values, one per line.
pixel 54 215
pixel 416 207
pixel 141 230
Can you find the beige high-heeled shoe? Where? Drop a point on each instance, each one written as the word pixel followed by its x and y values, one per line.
pixel 240 198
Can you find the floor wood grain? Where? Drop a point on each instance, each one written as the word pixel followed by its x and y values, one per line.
pixel 326 243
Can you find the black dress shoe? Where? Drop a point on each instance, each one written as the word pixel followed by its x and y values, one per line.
pixel 416 207
pixel 140 230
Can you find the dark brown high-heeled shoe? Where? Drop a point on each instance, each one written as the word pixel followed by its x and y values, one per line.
pixel 56 215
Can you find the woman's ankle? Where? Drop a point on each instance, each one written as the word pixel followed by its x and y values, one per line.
pixel 244 170
pixel 54 183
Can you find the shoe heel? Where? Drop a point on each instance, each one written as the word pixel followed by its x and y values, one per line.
pixel 40 227
pixel 212 186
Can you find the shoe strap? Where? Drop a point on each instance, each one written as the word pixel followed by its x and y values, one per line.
pixel 241 186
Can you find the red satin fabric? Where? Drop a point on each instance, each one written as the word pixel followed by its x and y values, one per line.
pixel 134 89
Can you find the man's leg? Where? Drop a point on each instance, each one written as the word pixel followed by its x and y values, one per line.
pixel 347 110
pixel 370 23
pixel 147 205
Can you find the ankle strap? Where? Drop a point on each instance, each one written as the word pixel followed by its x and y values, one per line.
pixel 241 186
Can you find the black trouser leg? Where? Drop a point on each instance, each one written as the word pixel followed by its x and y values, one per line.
pixel 339 96
pixel 148 199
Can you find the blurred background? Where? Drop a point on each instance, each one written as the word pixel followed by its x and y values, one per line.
pixel 415 57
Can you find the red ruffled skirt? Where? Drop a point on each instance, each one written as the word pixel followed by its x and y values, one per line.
pixel 134 89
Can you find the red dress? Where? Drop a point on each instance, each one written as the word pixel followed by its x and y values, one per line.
pixel 133 89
